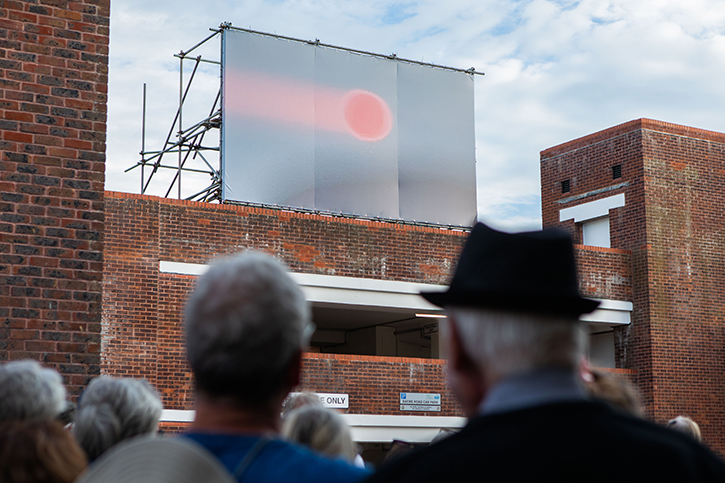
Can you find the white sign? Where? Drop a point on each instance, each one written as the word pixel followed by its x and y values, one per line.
pixel 415 407
pixel 419 398
pixel 330 400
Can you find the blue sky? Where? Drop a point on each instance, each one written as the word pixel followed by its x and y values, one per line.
pixel 555 71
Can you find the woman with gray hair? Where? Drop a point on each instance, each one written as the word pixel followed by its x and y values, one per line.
pixel 30 392
pixel 321 429
pixel 112 410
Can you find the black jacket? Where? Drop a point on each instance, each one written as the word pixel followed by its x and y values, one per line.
pixel 562 442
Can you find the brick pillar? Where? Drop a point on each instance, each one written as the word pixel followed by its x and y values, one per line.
pixel 53 84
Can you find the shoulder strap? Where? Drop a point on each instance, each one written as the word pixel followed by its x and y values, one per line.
pixel 250 456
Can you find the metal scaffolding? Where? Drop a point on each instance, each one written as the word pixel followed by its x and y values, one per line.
pixel 186 144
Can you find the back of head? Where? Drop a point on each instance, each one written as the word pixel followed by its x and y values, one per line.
pixel 515 300
pixel 30 392
pixel 38 452
pixel 244 322
pixel 320 429
pixel 685 425
pixel 504 343
pixel 300 400
pixel 111 410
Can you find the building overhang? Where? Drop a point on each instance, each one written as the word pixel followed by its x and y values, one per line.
pixel 391 296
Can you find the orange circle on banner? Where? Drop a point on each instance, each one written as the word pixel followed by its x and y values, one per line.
pixel 367 115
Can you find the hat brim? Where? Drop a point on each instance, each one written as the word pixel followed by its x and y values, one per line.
pixel 515 301
pixel 145 459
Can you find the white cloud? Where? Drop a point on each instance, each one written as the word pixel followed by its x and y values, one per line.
pixel 555 70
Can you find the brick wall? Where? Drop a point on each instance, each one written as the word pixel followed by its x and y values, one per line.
pixel 142 308
pixel 604 273
pixel 588 162
pixel 53 84
pixel 357 375
pixel 673 180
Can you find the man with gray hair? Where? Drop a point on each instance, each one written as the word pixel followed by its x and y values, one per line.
pixel 30 392
pixel 514 345
pixel 246 325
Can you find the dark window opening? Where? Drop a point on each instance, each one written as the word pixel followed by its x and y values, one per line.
pixel 566 186
pixel 617 171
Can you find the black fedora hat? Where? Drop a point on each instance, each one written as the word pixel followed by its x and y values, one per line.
pixel 523 272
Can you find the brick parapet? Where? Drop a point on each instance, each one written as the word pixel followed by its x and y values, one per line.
pixel 374 383
pixel 196 232
pixel 636 125
pixel 604 273
pixel 54 76
pixel 285 213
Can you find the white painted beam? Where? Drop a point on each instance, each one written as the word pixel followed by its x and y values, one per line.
pixel 592 209
pixel 370 428
pixel 610 312
pixel 366 292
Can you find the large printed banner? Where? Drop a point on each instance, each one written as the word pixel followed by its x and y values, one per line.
pixel 320 128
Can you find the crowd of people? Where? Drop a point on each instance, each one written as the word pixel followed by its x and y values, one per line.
pixel 515 362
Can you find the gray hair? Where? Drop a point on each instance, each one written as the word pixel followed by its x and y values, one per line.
pixel 687 426
pixel 30 392
pixel 300 400
pixel 244 322
pixel 321 429
pixel 111 410
pixel 505 343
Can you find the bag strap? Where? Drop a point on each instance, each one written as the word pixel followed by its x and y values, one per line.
pixel 250 456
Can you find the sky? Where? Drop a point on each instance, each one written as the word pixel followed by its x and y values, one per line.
pixel 554 71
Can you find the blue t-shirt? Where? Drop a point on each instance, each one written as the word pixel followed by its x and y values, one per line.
pixel 278 461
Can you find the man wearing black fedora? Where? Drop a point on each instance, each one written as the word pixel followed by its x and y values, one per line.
pixel 514 345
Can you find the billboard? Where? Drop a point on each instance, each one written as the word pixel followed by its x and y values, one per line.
pixel 311 126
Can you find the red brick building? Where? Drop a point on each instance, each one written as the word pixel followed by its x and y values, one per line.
pixel 362 277
pixel 653 193
pixel 53 84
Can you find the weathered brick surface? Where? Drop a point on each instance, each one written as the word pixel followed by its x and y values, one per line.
pixel 673 180
pixel 143 308
pixel 375 383
pixel 53 83
pixel 198 232
pixel 130 289
pixel 604 273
